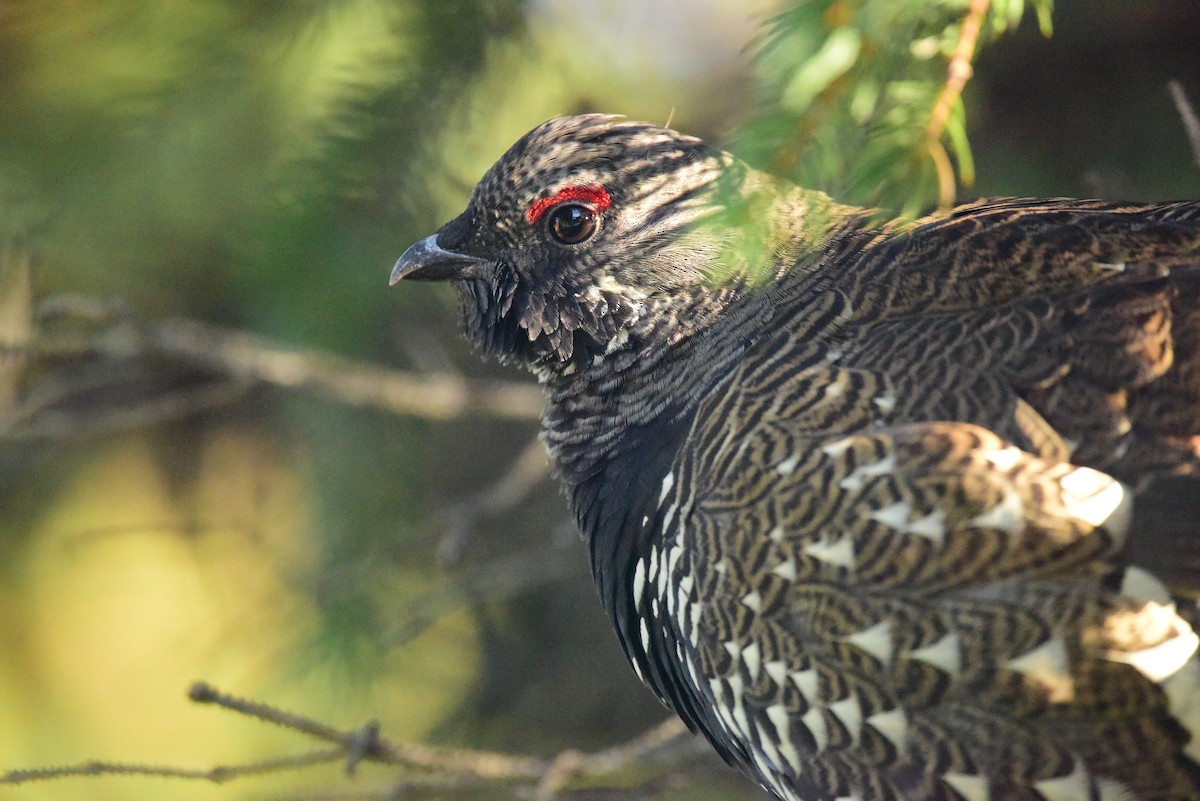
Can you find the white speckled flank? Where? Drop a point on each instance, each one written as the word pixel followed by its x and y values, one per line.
pixel 945 654
pixel 1008 515
pixel 970 787
pixel 1163 660
pixel 849 712
pixel 876 640
pixel 892 724
pixel 858 478
pixel 839 553
pixel 806 682
pixel 787 466
pixel 667 483
pixel 1046 665
pixel 1097 499
pixel 1074 786
pixel 814 721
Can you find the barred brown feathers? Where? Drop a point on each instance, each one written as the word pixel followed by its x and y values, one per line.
pixel 900 512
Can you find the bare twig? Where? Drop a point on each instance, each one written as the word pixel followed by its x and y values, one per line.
pixel 496 580
pixel 1187 115
pixel 16 319
pixel 666 741
pixel 524 475
pixel 217 774
pixel 365 744
pixel 958 74
pixel 237 361
pixel 202 693
pixel 447 768
pixel 353 383
pixel 31 420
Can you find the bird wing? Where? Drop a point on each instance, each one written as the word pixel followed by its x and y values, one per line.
pixel 1071 328
pixel 996 251
pixel 875 605
pixel 1088 311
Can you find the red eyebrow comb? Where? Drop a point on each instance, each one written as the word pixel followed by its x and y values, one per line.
pixel 595 195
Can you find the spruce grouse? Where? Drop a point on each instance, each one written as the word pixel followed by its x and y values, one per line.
pixel 903 511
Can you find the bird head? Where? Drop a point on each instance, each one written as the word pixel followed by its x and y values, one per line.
pixel 575 237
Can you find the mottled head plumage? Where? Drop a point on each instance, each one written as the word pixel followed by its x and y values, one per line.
pixel 536 300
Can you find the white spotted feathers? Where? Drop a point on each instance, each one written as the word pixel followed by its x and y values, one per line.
pixel 972 521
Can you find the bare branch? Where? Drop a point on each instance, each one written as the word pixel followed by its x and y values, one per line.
pixel 496 580
pixel 446 769
pixel 31 420
pixel 365 744
pixel 216 775
pixel 353 383
pixel 16 319
pixel 666 741
pixel 1187 115
pixel 230 364
pixel 517 482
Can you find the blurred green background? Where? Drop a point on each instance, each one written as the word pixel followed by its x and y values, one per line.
pixel 259 166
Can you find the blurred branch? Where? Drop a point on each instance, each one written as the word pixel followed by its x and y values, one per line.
pixel 664 747
pixel 668 740
pixel 959 73
pixel 1187 115
pixel 232 362
pixel 217 775
pixel 496 580
pixel 16 320
pixel 516 483
pixel 960 70
pixel 343 380
pixel 31 421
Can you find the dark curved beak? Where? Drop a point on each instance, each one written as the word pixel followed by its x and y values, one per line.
pixel 427 261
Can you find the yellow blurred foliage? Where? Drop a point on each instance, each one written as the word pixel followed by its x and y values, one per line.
pixel 130 591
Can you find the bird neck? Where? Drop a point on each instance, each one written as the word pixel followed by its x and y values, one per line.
pixel 623 396
pixel 613 429
pixel 614 426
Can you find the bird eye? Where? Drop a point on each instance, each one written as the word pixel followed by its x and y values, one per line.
pixel 572 223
